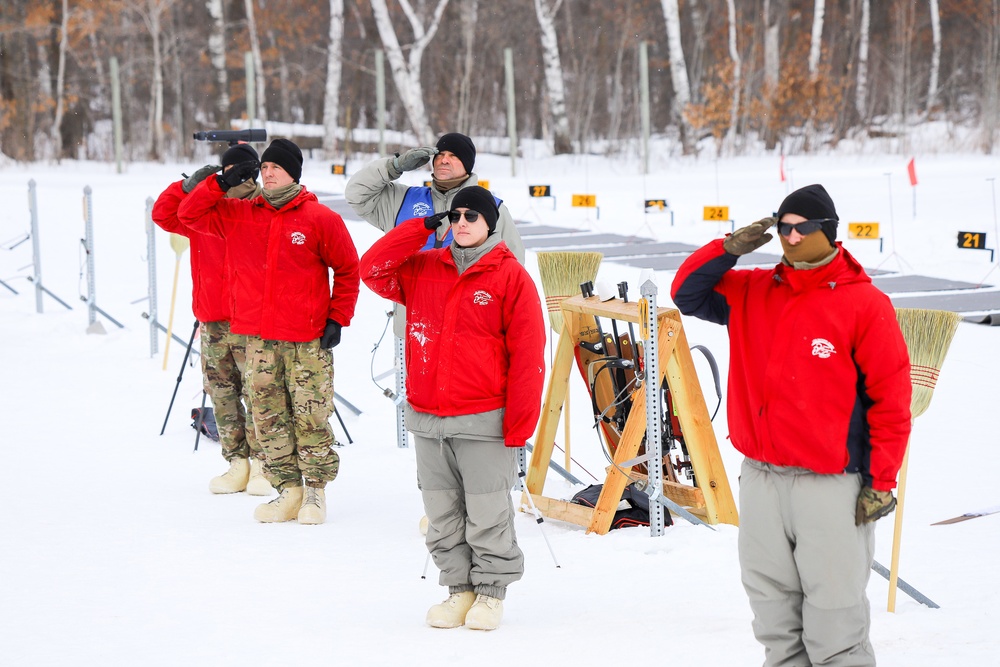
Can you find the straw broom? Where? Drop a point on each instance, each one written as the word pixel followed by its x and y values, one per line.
pixel 561 274
pixel 928 334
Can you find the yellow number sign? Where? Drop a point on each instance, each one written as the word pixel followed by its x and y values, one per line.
pixel 716 213
pixel 586 201
pixel 484 184
pixel 974 240
pixel 338 169
pixel 862 230
pixel 658 204
pixel 539 190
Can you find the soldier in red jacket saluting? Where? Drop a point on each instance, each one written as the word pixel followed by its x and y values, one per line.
pixel 475 338
pixel 819 403
pixel 281 246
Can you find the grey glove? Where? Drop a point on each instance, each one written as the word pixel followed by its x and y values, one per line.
pixel 199 176
pixel 414 158
pixel 747 239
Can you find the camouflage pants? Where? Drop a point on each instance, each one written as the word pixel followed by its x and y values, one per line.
pixel 291 397
pixel 223 361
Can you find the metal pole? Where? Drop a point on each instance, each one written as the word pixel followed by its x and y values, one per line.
pixel 154 337
pixel 380 98
pixel 654 447
pixel 644 103
pixel 36 252
pixel 892 218
pixel 508 66
pixel 402 440
pixel 251 88
pixel 88 246
pixel 116 112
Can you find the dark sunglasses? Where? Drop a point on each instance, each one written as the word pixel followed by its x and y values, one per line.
pixel 804 228
pixel 470 215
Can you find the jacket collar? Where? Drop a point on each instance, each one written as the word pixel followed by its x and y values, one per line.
pixel 843 270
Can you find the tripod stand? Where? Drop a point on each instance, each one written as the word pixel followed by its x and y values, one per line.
pixel 180 375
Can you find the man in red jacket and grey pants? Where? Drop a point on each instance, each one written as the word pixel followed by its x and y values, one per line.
pixel 819 403
pixel 223 353
pixel 282 246
pixel 475 338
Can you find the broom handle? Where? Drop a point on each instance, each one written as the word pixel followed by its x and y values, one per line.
pixel 170 320
pixel 897 531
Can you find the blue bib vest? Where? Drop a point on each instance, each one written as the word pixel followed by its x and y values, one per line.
pixel 417 203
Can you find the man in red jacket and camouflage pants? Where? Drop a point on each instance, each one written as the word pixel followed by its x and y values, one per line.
pixel 223 353
pixel 282 246
pixel 819 403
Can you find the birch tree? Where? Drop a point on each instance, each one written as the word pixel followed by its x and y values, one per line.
pixel 734 55
pixel 678 70
pixel 816 41
pixel 331 99
pixel 406 72
pixel 861 89
pixel 932 86
pixel 470 17
pixel 260 113
pixel 151 13
pixel 552 67
pixel 217 57
pixel 60 81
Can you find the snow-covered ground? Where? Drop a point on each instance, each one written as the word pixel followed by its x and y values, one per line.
pixel 115 553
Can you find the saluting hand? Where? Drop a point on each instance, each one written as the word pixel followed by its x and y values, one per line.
pixel 747 239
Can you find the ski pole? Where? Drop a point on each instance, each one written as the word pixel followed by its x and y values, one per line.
pixel 427 564
pixel 179 376
pixel 538 517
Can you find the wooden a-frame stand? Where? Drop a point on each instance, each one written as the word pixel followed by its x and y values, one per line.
pixel 712 499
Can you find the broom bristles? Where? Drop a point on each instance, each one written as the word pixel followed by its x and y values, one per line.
pixel 561 274
pixel 928 335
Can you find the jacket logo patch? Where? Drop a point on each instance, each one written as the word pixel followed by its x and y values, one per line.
pixel 482 298
pixel 421 209
pixel 298 238
pixel 823 348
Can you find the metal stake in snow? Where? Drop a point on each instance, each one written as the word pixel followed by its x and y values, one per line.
pixel 88 245
pixel 154 337
pixel 36 252
pixel 654 447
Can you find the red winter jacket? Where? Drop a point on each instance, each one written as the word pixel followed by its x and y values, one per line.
pixel 210 297
pixel 279 260
pixel 819 374
pixel 475 342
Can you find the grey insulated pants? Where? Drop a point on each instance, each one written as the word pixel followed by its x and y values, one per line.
pixel 805 565
pixel 466 491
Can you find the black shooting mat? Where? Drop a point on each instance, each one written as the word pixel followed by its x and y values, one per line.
pixel 897 284
pixel 581 241
pixel 981 301
pixel 538 230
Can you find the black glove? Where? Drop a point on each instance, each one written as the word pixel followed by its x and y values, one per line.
pixel 331 335
pixel 873 505
pixel 238 173
pixel 414 158
pixel 199 176
pixel 434 221
pixel 747 239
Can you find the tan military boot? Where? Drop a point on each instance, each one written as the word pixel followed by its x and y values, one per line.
pixel 451 613
pixel 485 614
pixel 313 509
pixel 258 485
pixel 233 480
pixel 283 508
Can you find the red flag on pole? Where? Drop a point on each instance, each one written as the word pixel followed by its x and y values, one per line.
pixel 781 168
pixel 911 169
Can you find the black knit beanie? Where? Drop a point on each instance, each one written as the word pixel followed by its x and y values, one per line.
pixel 241 153
pixel 813 203
pixel 461 146
pixel 478 199
pixel 286 155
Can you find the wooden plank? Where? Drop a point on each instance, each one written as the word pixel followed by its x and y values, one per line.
pixel 559 509
pixel 628 445
pixel 682 494
pixel 555 396
pixel 613 308
pixel 696 425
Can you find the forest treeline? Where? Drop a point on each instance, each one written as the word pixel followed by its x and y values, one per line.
pixel 793 74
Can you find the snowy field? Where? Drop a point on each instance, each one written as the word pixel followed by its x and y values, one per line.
pixel 115 553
